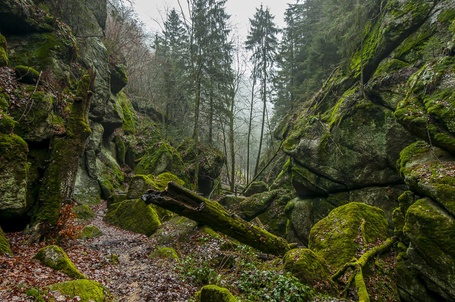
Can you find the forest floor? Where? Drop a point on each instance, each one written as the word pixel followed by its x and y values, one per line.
pixel 119 260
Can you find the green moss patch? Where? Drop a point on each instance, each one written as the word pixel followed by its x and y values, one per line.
pixel 27 75
pixel 3 55
pixel 306 266
pixel 82 290
pixel 432 235
pixel 165 252
pixel 214 293
pixel 90 231
pixel 429 171
pixel 134 215
pixel 338 237
pixel 4 244
pixel 83 212
pixel 56 258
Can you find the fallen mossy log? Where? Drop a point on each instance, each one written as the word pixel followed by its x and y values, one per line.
pixel 187 203
pixel 358 265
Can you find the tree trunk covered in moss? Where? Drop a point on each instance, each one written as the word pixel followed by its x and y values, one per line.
pixel 187 203
pixel 67 151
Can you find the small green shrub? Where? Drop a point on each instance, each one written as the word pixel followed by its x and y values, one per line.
pixel 258 285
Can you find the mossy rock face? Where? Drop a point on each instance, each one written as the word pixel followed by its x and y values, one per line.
pixel 429 109
pixel 4 244
pixel 329 151
pixel 83 212
pixel 90 231
pixel 13 175
pixel 84 290
pixel 3 55
pixel 113 117
pixel 19 17
pixel 119 79
pixel 337 237
pixel 268 207
pixel 56 258
pixel 53 50
pixel 431 253
pixel 429 171
pixel 130 119
pixel 160 158
pixel 134 215
pixel 256 187
pixel 39 122
pixel 110 174
pixel 306 266
pixel 214 293
pixel 209 160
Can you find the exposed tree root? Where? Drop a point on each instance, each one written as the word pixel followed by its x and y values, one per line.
pixel 358 266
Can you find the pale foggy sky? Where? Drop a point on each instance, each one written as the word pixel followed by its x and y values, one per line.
pixel 153 12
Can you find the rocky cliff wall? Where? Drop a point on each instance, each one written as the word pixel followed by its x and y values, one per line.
pixel 390 136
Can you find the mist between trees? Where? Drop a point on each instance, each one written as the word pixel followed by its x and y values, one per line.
pixel 231 94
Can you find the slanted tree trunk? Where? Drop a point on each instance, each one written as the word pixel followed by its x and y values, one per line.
pixel 67 151
pixel 187 203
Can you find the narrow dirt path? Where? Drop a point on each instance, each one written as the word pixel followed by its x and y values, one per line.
pixel 118 259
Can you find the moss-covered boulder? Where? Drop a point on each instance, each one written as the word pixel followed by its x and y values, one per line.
pixel 13 175
pixel 174 230
pixel 133 215
pixel 338 237
pixel 3 54
pixel 90 231
pixel 162 157
pixel 165 252
pixel 304 213
pixel 431 252
pixel 83 212
pixel 119 79
pixel 82 290
pixel 256 187
pixel 214 293
pixel 56 258
pixel 309 268
pixel 4 244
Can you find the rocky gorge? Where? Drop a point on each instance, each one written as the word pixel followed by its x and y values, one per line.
pixel 363 189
